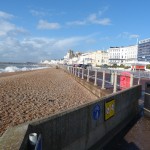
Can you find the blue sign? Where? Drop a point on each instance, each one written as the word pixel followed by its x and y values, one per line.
pixel 96 112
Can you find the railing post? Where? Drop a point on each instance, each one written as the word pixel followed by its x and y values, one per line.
pixel 82 73
pixel 95 83
pixel 88 74
pixel 112 78
pixel 139 81
pixel 103 83
pixel 131 80
pixel 115 83
pixel 68 69
pixel 75 71
pixel 78 72
pixel 71 70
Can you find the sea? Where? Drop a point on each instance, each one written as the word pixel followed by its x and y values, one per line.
pixel 14 67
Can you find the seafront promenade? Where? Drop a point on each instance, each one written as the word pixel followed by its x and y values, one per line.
pixel 30 95
pixel 39 94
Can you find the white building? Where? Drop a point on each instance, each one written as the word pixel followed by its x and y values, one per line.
pixel 101 58
pixel 96 58
pixel 123 55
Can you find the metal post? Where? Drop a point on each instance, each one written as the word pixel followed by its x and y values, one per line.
pixel 139 81
pixel 103 83
pixel 112 78
pixel 75 71
pixel 71 70
pixel 131 80
pixel 82 73
pixel 88 73
pixel 78 72
pixel 115 83
pixel 95 83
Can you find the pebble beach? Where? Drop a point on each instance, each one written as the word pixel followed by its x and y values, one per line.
pixel 25 96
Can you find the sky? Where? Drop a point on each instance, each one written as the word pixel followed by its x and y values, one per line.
pixel 35 30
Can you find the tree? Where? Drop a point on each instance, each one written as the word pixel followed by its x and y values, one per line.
pixel 148 66
pixel 114 65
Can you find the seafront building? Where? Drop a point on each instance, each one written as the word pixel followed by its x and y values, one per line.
pixel 97 58
pixel 144 50
pixel 123 55
pixel 126 55
pixel 101 58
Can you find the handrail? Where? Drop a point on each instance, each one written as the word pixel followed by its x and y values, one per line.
pixel 111 78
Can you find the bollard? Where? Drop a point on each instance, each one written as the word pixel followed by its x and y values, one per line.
pixel 115 83
pixel 95 83
pixel 32 140
pixel 88 75
pixel 112 78
pixel 103 83
pixel 131 80
pixel 79 72
pixel 82 73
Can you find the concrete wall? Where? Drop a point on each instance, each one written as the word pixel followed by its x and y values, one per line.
pixel 80 128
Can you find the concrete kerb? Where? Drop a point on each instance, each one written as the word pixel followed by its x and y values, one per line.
pixel 13 137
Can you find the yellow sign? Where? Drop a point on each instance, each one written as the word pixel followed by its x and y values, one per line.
pixel 109 109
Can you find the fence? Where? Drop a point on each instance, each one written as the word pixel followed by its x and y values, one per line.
pixel 109 79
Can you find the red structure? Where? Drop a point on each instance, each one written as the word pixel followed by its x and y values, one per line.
pixel 138 67
pixel 124 80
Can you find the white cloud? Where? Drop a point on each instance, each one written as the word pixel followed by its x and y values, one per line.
pixel 128 35
pixel 4 15
pixel 104 21
pixel 76 23
pixel 38 13
pixel 43 24
pixel 103 10
pixel 38 48
pixel 6 27
pixel 94 18
pixel 9 29
pixel 132 36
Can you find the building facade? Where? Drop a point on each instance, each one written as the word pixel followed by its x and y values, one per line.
pixel 144 50
pixel 123 55
pixel 97 58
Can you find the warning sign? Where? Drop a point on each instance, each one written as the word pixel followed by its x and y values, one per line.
pixel 109 109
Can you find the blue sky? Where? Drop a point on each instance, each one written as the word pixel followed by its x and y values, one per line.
pixel 34 30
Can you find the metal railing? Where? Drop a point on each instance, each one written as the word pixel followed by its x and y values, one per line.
pixel 109 79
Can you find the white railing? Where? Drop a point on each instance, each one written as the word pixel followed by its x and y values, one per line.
pixel 104 78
